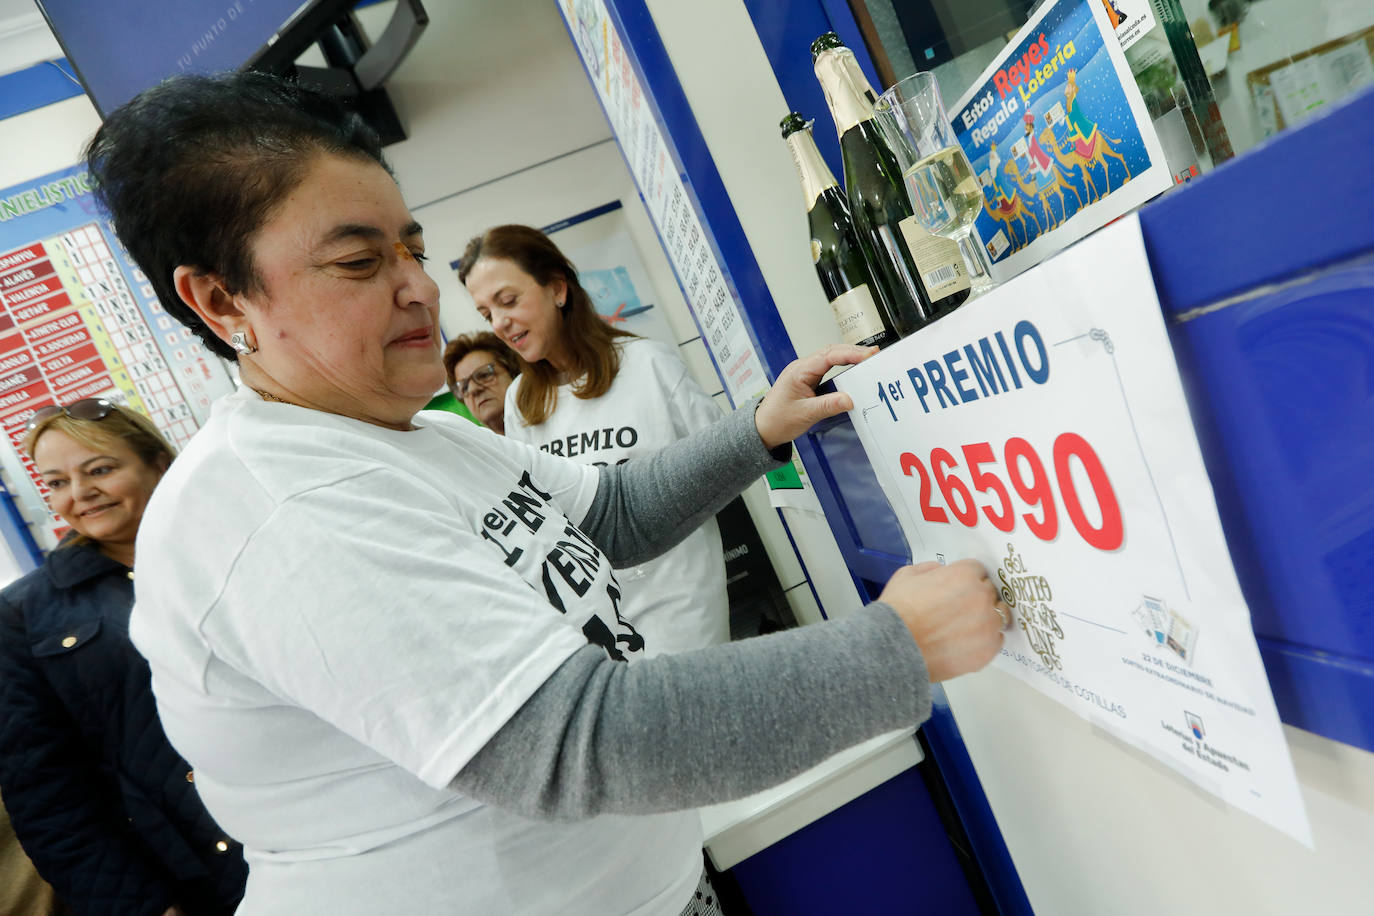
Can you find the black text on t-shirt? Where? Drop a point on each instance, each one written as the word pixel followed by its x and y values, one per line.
pixel 567 575
pixel 593 440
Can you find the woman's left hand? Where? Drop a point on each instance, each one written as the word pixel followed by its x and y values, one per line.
pixel 791 406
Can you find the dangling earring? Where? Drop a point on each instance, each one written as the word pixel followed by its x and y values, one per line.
pixel 243 343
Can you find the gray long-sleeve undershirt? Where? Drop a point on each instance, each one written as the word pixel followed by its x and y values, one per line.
pixel 681 731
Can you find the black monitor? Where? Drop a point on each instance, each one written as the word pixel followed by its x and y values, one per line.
pixel 120 47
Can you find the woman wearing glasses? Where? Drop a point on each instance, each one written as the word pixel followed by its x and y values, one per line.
pixel 480 368
pixel 599 395
pixel 100 801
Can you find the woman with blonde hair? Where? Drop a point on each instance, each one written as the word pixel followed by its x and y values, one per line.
pixel 100 801
pixel 601 396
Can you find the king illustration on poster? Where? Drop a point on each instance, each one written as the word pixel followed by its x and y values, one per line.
pixel 1042 430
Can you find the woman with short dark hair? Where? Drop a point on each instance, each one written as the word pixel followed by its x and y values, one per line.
pixel 388 640
pixel 100 801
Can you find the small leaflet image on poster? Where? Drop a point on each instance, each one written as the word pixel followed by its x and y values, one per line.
pixel 1129 19
pixel 1058 135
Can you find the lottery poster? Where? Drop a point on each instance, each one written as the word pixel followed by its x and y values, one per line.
pixel 79 320
pixel 1042 430
pixel 1058 135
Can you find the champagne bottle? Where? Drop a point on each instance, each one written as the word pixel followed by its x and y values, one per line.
pixel 904 258
pixel 835 247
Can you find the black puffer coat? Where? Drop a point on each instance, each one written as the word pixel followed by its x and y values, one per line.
pixel 104 806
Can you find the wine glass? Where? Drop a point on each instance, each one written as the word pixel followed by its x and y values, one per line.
pixel 944 192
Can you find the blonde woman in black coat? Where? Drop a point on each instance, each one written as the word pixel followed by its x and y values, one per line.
pixel 100 801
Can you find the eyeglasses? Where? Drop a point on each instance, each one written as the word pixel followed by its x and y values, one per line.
pixel 484 377
pixel 84 409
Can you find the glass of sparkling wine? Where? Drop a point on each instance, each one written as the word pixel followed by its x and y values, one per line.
pixel 944 192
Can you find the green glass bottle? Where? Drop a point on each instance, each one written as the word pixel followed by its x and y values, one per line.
pixel 835 246
pixel 906 260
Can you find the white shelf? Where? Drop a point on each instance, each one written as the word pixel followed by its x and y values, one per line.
pixel 736 830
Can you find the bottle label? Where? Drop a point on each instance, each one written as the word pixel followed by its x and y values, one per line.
pixel 857 314
pixel 939 260
pixel 815 251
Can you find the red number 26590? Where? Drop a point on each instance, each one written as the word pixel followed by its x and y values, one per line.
pixel 1028 477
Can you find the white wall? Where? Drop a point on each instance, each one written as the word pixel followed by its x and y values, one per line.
pixel 45 140
pixel 24 36
pixel 1096 827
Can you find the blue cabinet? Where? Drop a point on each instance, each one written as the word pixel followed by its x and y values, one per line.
pixel 1265 271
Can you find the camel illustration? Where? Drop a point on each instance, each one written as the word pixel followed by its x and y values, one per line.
pixel 1003 206
pixel 1007 210
pixel 1089 146
pixel 1046 183
pixel 1044 175
pixel 1068 165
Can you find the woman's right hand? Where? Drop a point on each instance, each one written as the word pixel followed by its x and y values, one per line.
pixel 950 611
pixel 791 406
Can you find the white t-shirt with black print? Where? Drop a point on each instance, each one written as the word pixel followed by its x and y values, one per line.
pixel 677 601
pixel 339 616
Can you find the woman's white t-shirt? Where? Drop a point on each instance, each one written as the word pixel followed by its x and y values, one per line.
pixel 338 617
pixel 677 600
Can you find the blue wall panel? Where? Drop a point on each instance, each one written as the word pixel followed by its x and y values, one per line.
pixel 1281 387
pixel 1273 213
